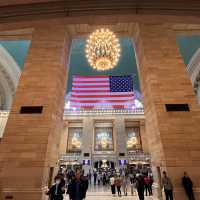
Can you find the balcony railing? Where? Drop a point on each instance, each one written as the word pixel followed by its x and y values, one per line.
pixel 138 111
pixel 70 156
pixel 139 156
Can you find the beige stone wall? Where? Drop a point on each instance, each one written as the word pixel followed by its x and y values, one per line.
pixel 30 143
pixel 173 136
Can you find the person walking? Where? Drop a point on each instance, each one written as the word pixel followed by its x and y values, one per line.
pixel 89 176
pixel 125 185
pixel 104 178
pixel 57 190
pixel 112 184
pixel 140 186
pixel 168 187
pixel 118 184
pixel 146 185
pixel 78 187
pixel 151 184
pixel 99 178
pixel 95 177
pixel 133 187
pixel 188 186
pixel 131 177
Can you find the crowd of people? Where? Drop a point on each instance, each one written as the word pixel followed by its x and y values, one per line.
pixel 76 183
pixel 140 182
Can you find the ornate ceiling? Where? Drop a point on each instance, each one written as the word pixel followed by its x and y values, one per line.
pixel 21 8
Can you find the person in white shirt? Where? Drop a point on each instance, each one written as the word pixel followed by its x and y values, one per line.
pixel 112 184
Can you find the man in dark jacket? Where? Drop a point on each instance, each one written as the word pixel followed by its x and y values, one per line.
pixel 140 186
pixel 57 190
pixel 188 186
pixel 78 187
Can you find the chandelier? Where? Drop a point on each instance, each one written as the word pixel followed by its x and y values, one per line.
pixel 102 49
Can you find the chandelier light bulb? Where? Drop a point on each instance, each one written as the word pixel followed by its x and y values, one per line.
pixel 102 49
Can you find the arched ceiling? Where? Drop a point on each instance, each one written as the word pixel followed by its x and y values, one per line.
pixel 12 57
pixel 18 49
pixel 188 45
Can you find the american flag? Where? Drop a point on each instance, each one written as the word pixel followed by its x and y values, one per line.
pixel 99 92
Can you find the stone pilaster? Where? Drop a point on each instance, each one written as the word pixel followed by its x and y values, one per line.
pixel 31 141
pixel 120 137
pixel 88 138
pixel 144 137
pixel 64 139
pixel 173 136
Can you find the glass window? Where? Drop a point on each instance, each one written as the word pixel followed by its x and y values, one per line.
pixel 104 139
pixel 74 139
pixel 133 138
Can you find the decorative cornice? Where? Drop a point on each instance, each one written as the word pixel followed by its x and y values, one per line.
pixel 17 10
pixel 99 112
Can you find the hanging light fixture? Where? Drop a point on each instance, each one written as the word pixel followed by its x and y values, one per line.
pixel 102 49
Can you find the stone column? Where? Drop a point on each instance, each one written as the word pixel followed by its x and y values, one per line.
pixel 173 136
pixel 144 137
pixel 31 141
pixel 120 137
pixel 87 139
pixel 64 139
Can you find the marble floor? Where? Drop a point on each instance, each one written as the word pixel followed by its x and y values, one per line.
pixel 104 193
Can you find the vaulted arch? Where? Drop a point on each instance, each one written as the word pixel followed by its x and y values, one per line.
pixel 193 68
pixel 9 76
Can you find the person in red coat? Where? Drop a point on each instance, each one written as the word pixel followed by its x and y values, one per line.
pixel 147 185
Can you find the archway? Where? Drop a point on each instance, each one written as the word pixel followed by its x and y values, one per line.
pixel 153 43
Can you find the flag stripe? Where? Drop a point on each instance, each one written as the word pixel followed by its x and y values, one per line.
pixel 90 86
pixel 103 94
pixel 91 79
pixel 89 83
pixel 102 98
pixel 100 104
pixel 91 107
pixel 88 77
pixel 97 101
pixel 83 90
